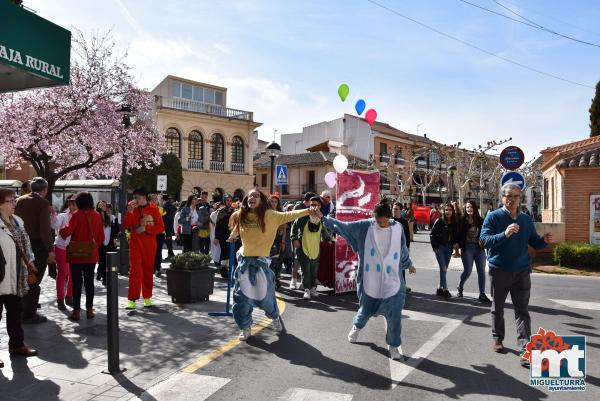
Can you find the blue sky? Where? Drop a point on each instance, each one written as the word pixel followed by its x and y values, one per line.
pixel 284 60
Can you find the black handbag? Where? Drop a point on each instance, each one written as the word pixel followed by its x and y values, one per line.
pixel 2 265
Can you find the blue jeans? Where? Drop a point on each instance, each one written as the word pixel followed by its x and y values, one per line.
pixel 469 254
pixel 243 305
pixel 443 255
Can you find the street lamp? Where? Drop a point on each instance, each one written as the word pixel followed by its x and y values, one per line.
pixel 451 171
pixel 129 118
pixel 273 150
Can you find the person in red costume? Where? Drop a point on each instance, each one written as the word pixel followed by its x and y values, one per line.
pixel 144 222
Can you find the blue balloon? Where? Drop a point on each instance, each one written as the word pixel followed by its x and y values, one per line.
pixel 360 106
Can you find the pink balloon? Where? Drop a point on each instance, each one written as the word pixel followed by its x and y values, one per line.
pixel 371 116
pixel 330 179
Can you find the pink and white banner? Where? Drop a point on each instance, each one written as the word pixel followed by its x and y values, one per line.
pixel 357 196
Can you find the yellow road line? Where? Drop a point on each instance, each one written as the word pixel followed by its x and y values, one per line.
pixel 229 345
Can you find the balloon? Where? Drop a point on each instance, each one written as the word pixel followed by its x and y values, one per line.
pixel 330 179
pixel 371 116
pixel 360 106
pixel 343 91
pixel 340 163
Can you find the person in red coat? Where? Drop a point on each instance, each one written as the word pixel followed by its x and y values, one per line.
pixel 144 222
pixel 85 225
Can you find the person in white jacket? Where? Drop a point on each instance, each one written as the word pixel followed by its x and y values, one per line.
pixel 63 276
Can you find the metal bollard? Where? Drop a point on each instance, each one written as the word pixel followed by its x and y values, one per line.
pixel 229 283
pixel 112 312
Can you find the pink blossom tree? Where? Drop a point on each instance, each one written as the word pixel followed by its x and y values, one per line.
pixel 75 130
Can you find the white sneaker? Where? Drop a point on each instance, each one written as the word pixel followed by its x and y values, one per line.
pixel 293 284
pixel 353 335
pixel 313 292
pixel 396 353
pixel 245 334
pixel 306 294
pixel 277 325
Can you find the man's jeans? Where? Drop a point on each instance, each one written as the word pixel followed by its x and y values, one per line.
pixel 518 284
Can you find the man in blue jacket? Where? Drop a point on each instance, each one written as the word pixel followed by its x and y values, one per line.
pixel 506 233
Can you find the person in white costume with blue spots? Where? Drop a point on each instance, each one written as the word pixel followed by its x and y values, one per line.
pixel 382 255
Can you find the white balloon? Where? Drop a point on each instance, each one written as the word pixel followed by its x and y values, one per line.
pixel 340 163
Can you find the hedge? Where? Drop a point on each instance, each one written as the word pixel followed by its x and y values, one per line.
pixel 585 256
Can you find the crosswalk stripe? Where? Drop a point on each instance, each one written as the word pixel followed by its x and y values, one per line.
pixel 578 304
pixel 304 394
pixel 184 387
pixel 399 370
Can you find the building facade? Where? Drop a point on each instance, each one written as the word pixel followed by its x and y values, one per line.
pixel 412 167
pixel 306 173
pixel 571 175
pixel 213 142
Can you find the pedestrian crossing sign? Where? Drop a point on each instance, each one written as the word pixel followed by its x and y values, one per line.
pixel 281 175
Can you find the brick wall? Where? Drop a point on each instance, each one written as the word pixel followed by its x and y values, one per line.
pixel 579 184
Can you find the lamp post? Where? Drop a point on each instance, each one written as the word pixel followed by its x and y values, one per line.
pixel 129 119
pixel 273 150
pixel 451 171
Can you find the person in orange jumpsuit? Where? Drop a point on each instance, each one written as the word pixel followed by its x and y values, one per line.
pixel 144 222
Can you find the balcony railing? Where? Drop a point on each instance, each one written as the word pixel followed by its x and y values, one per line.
pixel 217 166
pixel 201 107
pixel 195 164
pixel 239 168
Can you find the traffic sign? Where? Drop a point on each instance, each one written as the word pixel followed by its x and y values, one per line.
pixel 512 177
pixel 281 175
pixel 161 183
pixel 512 157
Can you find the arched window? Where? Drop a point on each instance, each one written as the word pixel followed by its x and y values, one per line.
pixel 237 150
pixel 174 141
pixel 195 146
pixel 217 148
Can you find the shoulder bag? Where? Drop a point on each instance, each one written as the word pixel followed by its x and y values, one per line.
pixel 80 250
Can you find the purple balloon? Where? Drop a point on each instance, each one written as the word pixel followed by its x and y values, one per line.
pixel 330 179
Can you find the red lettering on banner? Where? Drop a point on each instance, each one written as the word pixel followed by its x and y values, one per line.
pixel 357 196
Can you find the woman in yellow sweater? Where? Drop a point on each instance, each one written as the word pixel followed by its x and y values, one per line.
pixel 256 223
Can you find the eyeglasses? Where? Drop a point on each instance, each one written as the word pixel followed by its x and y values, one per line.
pixel 512 196
pixel 327 197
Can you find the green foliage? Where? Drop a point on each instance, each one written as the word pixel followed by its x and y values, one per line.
pixel 170 166
pixel 595 113
pixel 585 256
pixel 190 261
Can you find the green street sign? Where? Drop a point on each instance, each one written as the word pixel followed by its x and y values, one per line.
pixel 34 52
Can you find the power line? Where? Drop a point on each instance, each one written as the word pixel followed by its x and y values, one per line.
pixel 528 22
pixel 477 47
pixel 553 18
pixel 543 28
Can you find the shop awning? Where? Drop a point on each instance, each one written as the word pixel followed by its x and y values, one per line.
pixel 34 52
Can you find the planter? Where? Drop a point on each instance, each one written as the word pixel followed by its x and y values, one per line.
pixel 186 286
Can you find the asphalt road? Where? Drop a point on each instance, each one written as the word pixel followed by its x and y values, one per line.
pixel 447 344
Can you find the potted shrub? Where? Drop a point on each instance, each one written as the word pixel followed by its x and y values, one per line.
pixel 190 279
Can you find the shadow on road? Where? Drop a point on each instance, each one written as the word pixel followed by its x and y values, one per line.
pixel 485 380
pixel 298 352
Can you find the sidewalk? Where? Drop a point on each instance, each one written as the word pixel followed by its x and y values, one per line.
pixel 72 355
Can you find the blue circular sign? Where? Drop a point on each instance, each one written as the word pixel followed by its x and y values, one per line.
pixel 512 177
pixel 512 158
